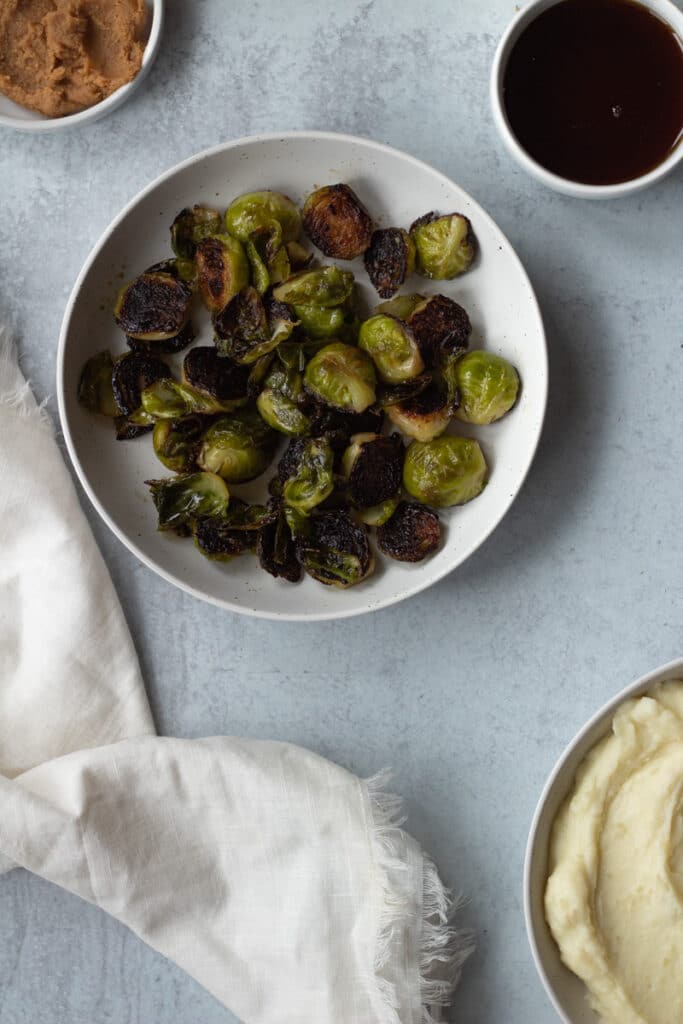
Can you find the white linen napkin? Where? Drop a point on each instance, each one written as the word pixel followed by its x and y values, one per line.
pixel 279 881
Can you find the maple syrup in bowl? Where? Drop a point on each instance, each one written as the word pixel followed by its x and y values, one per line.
pixel 588 94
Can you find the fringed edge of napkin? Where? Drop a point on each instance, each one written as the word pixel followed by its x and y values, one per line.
pixel 15 391
pixel 443 948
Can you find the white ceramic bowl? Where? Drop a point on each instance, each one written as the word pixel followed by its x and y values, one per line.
pixel 397 189
pixel 21 119
pixel 668 12
pixel 567 992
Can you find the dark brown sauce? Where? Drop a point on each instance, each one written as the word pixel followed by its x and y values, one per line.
pixel 593 90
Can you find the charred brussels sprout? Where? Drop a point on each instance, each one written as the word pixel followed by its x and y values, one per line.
pixel 276 549
pixel 341 376
pixel 402 306
pixel 390 260
pixel 337 222
pixel 306 474
pixel 180 500
pixel 249 327
pixel 445 245
pixel 176 442
pixel 488 386
pixel 169 346
pixel 423 417
pixel 339 427
pixel 190 226
pixel 395 394
pixel 203 368
pixel 377 515
pixel 335 550
pixel 95 391
pixel 238 448
pixel 172 400
pixel 373 467
pixel 445 471
pixel 131 375
pixel 255 211
pixel 393 348
pixel 217 540
pixel 326 287
pixel 412 533
pixel 153 307
pixel 222 270
pixel 439 325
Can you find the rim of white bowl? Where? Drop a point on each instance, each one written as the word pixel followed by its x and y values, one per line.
pixel 669 13
pixel 94 113
pixel 671 670
pixel 233 606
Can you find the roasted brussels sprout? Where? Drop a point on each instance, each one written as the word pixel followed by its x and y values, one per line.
pixel 412 533
pixel 390 260
pixel 95 391
pixel 335 550
pixel 445 471
pixel 393 348
pixel 401 306
pixel 249 327
pixel 268 257
pixel 282 414
pixel 254 211
pixel 238 447
pixel 153 307
pixel 131 374
pixel 190 226
pixel 440 325
pixel 216 539
pixel 299 256
pixel 488 386
pixel 339 427
pixel 319 322
pixel 176 442
pixel 203 368
pixel 172 400
pixel 377 515
pixel 337 222
pixel 222 270
pixel 276 549
pixel 395 394
pixel 445 245
pixel 180 500
pixel 306 473
pixel 169 346
pixel 423 417
pixel 341 376
pixel 372 466
pixel 325 286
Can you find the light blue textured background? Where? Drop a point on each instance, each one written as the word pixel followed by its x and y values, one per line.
pixel 471 690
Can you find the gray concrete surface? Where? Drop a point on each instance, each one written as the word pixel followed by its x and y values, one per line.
pixel 471 690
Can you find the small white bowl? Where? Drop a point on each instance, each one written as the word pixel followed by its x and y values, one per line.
pixel 664 9
pixel 23 120
pixel 567 993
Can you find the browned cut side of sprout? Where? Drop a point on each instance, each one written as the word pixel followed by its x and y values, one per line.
pixel 203 368
pixel 412 533
pixel 153 307
pixel 438 323
pixel 389 260
pixel 373 467
pixel 337 222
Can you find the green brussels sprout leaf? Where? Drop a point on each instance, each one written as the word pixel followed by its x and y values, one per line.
pixel 180 500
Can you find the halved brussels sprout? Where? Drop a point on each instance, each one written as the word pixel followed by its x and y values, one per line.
pixel 249 327
pixel 173 400
pixel 401 307
pixel 180 500
pixel 282 414
pixel 445 245
pixel 325 286
pixel 339 427
pixel 153 307
pixel 336 550
pixel 306 473
pixel 190 226
pixel 488 385
pixel 176 442
pixel 412 533
pixel 132 373
pixel 395 394
pixel 95 390
pixel 389 260
pixel 203 368
pixel 256 210
pixel 393 348
pixel 222 270
pixel 373 465
pixel 377 515
pixel 337 222
pixel 168 346
pixel 439 325
pixel 423 417
pixel 319 322
pixel 341 376
pixel 238 447
pixel 276 549
pixel 446 471
pixel 217 540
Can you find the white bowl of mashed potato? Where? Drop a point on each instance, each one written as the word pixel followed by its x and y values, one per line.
pixel 68 62
pixel 603 881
